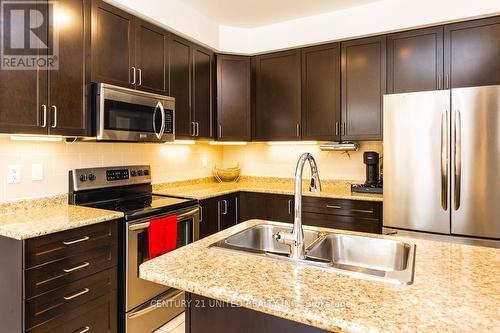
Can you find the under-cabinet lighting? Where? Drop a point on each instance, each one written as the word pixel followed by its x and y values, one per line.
pixel 36 138
pixel 181 142
pixel 228 143
pixel 292 143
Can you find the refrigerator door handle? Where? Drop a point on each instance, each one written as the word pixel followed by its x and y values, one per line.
pixel 458 158
pixel 444 160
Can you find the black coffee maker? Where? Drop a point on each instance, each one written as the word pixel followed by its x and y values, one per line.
pixel 373 183
pixel 371 159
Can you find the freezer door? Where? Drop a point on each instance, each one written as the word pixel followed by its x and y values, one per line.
pixel 416 161
pixel 476 162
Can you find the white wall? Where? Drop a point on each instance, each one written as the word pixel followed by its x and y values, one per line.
pixel 261 159
pixel 168 162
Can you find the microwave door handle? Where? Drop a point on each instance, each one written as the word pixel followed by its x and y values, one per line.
pixel 162 127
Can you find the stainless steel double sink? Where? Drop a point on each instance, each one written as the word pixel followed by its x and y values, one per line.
pixel 366 257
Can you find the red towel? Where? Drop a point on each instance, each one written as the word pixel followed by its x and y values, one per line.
pixel 162 234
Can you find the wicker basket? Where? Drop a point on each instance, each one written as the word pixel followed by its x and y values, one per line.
pixel 227 175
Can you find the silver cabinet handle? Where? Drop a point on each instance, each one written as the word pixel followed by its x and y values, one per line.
pixel 54 108
pixel 220 131
pixel 197 126
pixel 336 128
pixel 333 207
pixel 83 239
pixel 133 75
pixel 201 213
pixel 458 158
pixel 444 160
pixel 439 82
pixel 77 294
pixel 44 115
pixel 193 128
pixel 344 128
pixel 290 207
pixel 77 268
pixel 83 330
pixel 140 77
pixel 447 80
pixel 225 207
pixel 298 130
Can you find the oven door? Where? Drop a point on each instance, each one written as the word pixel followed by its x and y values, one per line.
pixel 139 291
pixel 131 115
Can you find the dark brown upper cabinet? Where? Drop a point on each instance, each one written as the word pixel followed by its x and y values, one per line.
pixel 113 53
pixel 203 64
pixel 191 83
pixel 277 113
pixel 151 57
pixel 363 72
pixel 127 51
pixel 472 53
pixel 321 92
pixel 52 101
pixel 415 61
pixel 233 98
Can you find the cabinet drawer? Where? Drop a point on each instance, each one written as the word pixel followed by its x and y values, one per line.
pixel 354 208
pixel 342 222
pixel 46 277
pixel 98 316
pixel 58 302
pixel 69 243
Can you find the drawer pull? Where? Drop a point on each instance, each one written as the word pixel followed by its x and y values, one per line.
pixel 77 294
pixel 83 330
pixel 69 270
pixel 333 206
pixel 84 239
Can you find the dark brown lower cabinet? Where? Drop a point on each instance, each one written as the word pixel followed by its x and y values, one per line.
pixel 61 282
pixel 218 213
pixel 354 215
pixel 266 206
pixel 207 315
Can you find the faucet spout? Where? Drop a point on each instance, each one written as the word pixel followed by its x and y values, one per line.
pixel 295 239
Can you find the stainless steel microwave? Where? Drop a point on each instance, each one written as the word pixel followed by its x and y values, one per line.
pixel 130 115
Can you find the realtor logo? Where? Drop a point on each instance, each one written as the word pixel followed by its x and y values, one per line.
pixel 27 43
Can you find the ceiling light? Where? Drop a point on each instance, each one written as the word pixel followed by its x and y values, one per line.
pixel 292 143
pixel 36 138
pixel 228 143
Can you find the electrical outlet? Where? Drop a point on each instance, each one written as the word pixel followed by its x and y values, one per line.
pixel 13 174
pixel 204 162
pixel 37 171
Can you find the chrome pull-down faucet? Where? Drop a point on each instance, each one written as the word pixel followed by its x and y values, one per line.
pixel 295 239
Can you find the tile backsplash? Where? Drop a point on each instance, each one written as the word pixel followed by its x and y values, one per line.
pixel 169 162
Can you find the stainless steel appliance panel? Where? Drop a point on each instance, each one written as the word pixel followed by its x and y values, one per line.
pixel 476 161
pixel 416 161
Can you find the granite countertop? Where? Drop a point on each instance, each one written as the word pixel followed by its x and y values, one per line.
pixel 456 287
pixel 207 188
pixel 26 223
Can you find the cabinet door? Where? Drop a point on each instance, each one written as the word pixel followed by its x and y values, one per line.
pixel 151 46
pixel 233 98
pixel 415 61
pixel 112 45
pixel 321 92
pixel 202 92
pixel 180 85
pixel 472 53
pixel 209 217
pixel 277 105
pixel 69 114
pixel 363 74
pixel 23 96
pixel 228 211
pixel 264 206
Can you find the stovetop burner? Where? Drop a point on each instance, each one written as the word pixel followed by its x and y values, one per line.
pixel 367 188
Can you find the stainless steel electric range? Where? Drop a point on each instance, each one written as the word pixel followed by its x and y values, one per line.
pixel 143 306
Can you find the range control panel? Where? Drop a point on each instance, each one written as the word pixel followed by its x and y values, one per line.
pixel 94 178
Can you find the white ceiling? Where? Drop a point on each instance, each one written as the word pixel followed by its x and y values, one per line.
pixel 254 13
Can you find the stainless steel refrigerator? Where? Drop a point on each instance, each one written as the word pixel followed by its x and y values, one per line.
pixel 442 161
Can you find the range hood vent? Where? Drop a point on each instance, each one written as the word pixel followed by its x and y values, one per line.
pixel 340 146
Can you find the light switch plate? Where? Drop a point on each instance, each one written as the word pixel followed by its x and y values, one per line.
pixel 37 171
pixel 13 173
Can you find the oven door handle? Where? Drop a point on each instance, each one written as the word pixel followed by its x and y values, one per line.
pixel 180 217
pixel 172 296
